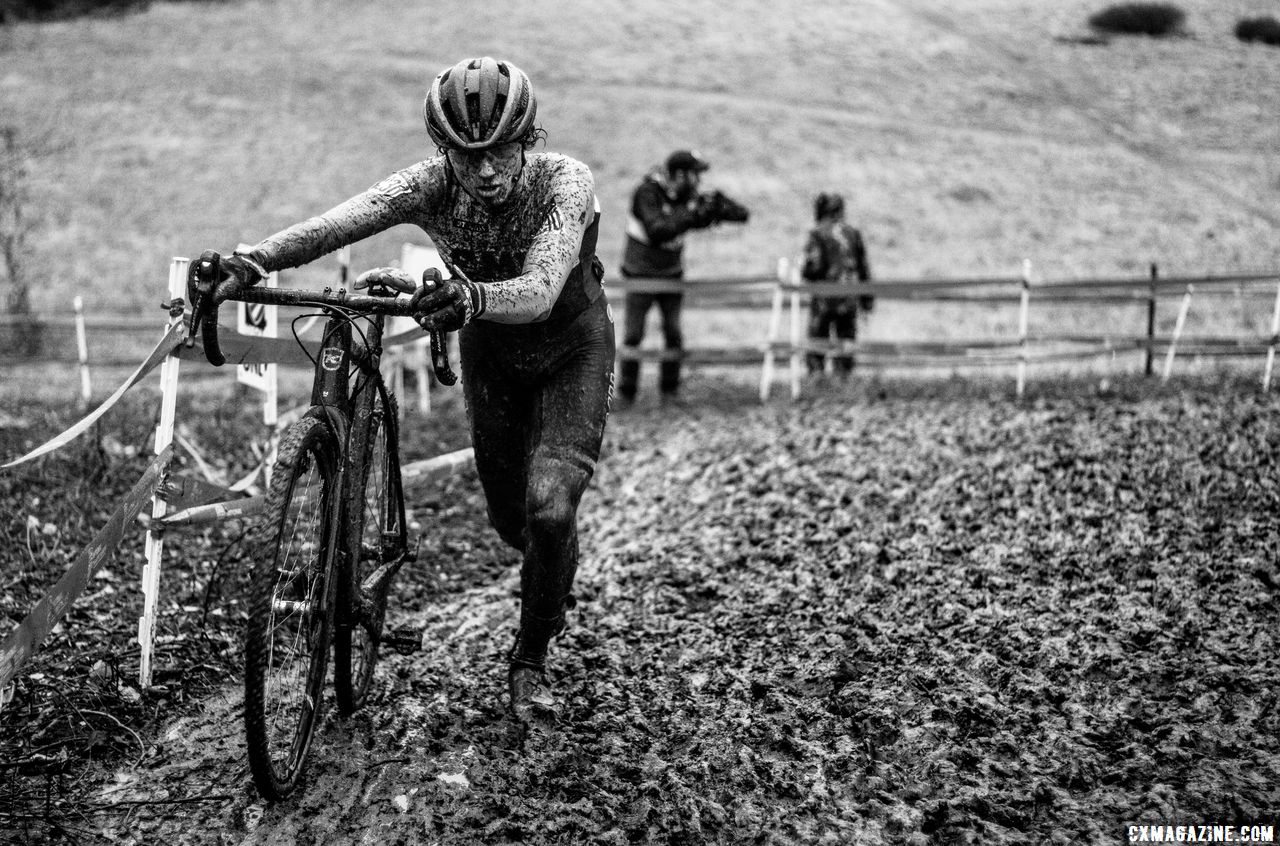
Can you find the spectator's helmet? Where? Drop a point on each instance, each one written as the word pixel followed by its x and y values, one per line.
pixel 479 103
pixel 827 205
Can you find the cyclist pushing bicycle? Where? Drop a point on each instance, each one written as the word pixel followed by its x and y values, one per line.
pixel 518 230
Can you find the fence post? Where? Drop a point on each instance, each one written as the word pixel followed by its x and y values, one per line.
pixel 394 359
pixel 1271 344
pixel 1151 321
pixel 775 331
pixel 82 348
pixel 155 530
pixel 797 340
pixel 1177 333
pixel 420 356
pixel 271 396
pixel 1024 309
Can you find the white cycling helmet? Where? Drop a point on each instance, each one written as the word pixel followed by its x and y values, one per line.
pixel 479 103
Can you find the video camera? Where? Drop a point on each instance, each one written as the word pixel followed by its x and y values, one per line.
pixel 719 208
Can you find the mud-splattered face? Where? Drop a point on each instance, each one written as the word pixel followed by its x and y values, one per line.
pixel 488 175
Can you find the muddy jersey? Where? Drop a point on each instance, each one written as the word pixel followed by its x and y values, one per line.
pixel 535 254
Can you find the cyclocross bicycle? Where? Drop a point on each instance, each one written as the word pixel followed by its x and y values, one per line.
pixel 332 534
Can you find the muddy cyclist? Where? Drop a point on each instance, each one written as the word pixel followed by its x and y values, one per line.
pixel 535 333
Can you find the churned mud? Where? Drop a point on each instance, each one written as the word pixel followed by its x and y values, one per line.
pixel 897 614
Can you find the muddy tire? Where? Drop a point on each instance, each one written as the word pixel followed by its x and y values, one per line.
pixel 291 609
pixel 375 535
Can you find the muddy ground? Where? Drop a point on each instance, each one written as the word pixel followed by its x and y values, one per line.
pixel 900 613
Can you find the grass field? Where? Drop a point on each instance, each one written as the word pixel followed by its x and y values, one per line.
pixel 965 141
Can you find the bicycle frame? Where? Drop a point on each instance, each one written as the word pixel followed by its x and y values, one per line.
pixel 350 432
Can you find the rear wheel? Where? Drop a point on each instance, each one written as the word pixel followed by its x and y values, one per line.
pixel 376 542
pixel 291 609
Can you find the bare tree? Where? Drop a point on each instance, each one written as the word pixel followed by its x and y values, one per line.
pixel 15 226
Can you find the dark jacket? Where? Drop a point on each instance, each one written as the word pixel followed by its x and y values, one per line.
pixel 835 253
pixel 656 224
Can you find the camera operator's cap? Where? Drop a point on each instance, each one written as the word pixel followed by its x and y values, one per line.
pixel 686 160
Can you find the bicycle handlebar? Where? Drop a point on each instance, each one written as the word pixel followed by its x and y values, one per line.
pixel 204 315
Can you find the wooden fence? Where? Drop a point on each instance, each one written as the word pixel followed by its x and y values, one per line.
pixel 76 339
pixel 788 298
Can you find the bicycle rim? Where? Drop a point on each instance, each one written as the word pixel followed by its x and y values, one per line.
pixel 291 610
pixel 375 535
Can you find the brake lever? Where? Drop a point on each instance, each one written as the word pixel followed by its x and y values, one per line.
pixel 439 348
pixel 440 358
pixel 201 282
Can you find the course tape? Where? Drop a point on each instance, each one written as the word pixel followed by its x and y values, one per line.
pixel 239 349
pixel 23 641
pixel 174 337
pixel 417 472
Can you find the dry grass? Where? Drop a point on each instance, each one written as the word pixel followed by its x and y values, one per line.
pixel 965 142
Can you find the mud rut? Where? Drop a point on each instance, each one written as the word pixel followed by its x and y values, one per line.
pixel 944 620
pixel 430 717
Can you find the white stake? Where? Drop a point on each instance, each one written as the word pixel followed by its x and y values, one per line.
pixel 82 346
pixel 271 396
pixel 1177 333
pixel 797 339
pixel 424 381
pixel 775 332
pixel 395 359
pixel 155 535
pixel 1024 314
pixel 344 265
pixel 1271 346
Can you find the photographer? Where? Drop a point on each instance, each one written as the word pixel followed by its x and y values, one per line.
pixel 665 206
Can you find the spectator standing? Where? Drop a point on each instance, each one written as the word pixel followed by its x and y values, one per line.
pixel 664 207
pixel 836 253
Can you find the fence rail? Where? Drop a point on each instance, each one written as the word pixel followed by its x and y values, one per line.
pixel 776 293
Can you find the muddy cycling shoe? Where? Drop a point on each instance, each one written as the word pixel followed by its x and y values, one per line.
pixel 532 701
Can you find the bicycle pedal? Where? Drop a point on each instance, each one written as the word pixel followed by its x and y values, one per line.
pixel 405 640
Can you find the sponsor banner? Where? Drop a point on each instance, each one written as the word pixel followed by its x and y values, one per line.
pixel 257 320
pixel 245 349
pixel 23 641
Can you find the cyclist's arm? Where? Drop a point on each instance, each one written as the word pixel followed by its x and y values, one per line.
pixel 388 203
pixel 552 254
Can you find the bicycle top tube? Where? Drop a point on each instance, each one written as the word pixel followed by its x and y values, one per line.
pixel 365 304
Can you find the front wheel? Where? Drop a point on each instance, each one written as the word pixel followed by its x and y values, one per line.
pixel 376 545
pixel 291 608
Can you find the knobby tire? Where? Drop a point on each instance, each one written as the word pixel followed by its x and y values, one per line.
pixel 291 608
pixel 375 534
